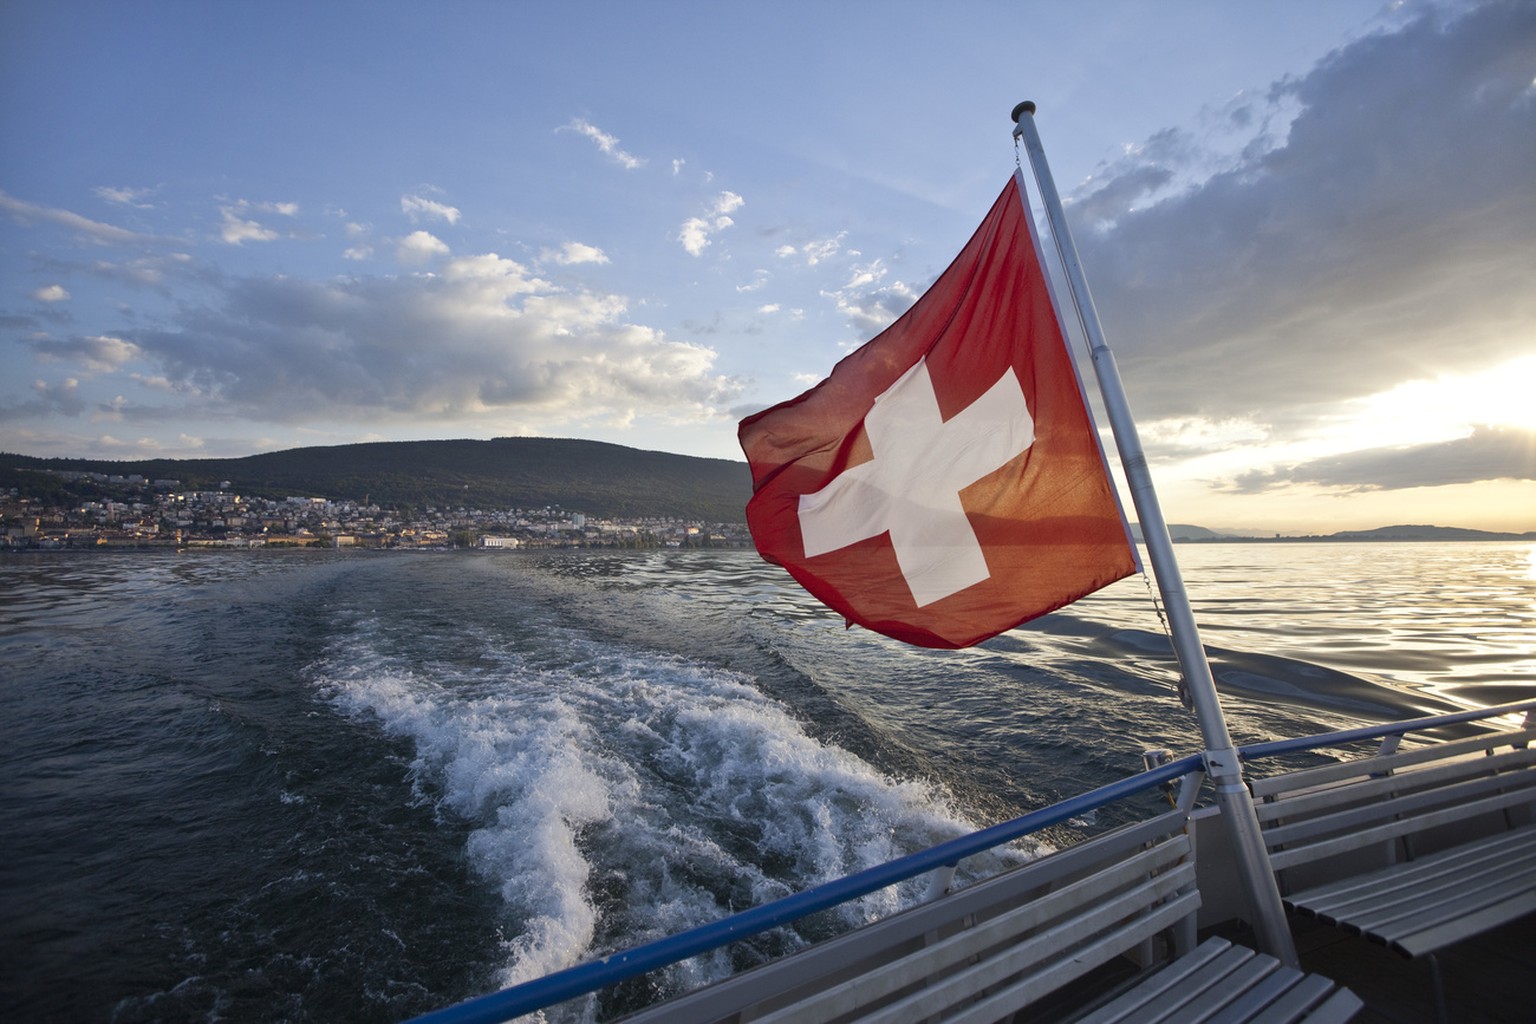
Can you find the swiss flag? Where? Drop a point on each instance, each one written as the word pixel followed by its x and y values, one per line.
pixel 945 483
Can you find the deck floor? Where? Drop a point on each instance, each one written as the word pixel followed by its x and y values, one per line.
pixel 1491 978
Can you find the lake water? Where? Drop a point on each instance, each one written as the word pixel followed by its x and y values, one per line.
pixel 316 786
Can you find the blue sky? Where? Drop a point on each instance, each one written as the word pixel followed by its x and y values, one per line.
pixel 1310 227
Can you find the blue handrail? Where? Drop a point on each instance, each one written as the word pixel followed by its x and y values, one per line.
pixel 596 974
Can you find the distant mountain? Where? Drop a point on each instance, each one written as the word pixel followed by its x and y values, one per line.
pixel 1426 533
pixel 506 472
pixel 519 472
pixel 1183 531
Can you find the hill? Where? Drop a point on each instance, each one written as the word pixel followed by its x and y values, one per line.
pixel 1181 531
pixel 1425 533
pixel 505 472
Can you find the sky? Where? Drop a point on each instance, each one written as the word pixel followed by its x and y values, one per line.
pixel 1309 228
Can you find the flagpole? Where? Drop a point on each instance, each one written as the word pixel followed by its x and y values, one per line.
pixel 1222 764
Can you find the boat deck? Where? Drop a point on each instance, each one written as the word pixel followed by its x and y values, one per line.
pixel 1487 979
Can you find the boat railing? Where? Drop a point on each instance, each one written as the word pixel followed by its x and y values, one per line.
pixel 594 975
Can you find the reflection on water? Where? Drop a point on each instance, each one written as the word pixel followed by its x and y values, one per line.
pixel 356 785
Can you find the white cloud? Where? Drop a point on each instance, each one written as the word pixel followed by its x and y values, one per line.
pixel 95 231
pixel 125 196
pixel 483 340
pixel 824 249
pixel 420 247
pixel 696 231
pixel 816 251
pixel 101 353
pixel 362 250
pixel 869 304
pixel 605 142
pixel 51 293
pixel 419 207
pixel 574 252
pixel 236 230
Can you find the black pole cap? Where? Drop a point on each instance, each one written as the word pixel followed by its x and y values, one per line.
pixel 1027 107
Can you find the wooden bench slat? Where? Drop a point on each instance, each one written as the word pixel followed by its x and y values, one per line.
pixel 1051 959
pixel 1058 971
pixel 1482 804
pixel 1284 995
pixel 1204 992
pixel 1431 898
pixel 1309 777
pixel 1292 821
pixel 1143 889
pixel 1130 1005
pixel 1490 855
pixel 1335 1007
pixel 1293 854
pixel 1373 790
pixel 1219 982
pixel 1431 939
pixel 1427 904
pixel 1437 877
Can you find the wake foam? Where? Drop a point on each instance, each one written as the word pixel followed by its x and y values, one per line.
pixel 618 797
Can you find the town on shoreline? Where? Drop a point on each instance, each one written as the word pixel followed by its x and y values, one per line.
pixel 131 512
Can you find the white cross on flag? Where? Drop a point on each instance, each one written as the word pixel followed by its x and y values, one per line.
pixel 945 483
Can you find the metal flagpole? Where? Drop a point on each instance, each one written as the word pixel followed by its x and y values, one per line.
pixel 1221 759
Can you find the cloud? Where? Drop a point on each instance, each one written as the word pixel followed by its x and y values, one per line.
pixel 1489 453
pixel 95 231
pixel 144 271
pixel 574 252
pixel 482 340
pixel 51 293
pixel 235 230
pixel 605 142
pixel 98 354
pixel 125 196
pixel 418 208
pixel 1385 234
pixel 869 304
pixel 49 399
pixel 419 247
pixel 696 231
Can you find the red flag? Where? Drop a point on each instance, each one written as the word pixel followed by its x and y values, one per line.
pixel 945 483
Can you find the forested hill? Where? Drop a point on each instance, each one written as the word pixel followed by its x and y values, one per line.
pixel 506 472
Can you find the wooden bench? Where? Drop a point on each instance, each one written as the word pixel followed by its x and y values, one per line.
pixel 1414 850
pixel 988 951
